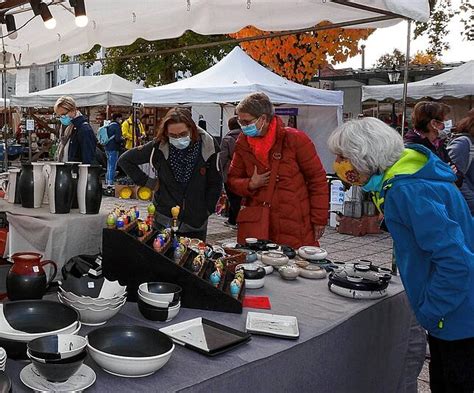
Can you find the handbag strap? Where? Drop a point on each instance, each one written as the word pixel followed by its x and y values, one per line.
pixel 276 159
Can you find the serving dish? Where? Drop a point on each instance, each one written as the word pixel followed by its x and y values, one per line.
pixel 283 326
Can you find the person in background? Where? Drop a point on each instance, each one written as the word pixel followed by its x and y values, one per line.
pixel 461 151
pixel 112 148
pixel 77 138
pixel 432 231
pixel 300 201
pixel 184 161
pixel 225 157
pixel 131 140
pixel 202 123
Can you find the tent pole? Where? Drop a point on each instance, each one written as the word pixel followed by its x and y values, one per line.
pixel 222 121
pixel 405 77
pixel 4 95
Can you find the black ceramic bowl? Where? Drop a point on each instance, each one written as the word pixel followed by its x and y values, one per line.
pixel 254 274
pixel 130 341
pixel 57 346
pixel 82 286
pixel 39 316
pixel 168 292
pixel 59 371
pixel 154 313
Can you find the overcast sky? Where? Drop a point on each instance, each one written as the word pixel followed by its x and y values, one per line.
pixel 386 40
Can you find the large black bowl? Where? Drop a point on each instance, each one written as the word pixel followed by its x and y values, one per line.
pixel 39 316
pixel 81 286
pixel 130 341
pixel 170 292
pixel 59 372
pixel 57 347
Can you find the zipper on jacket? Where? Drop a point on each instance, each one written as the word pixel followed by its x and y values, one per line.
pixel 441 323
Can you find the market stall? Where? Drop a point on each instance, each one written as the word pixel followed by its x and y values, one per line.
pixel 217 90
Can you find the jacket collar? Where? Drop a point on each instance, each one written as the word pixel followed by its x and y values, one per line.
pixel 208 145
pixel 244 145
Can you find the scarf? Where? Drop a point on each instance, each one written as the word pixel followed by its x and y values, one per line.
pixel 183 161
pixel 261 145
pixel 63 142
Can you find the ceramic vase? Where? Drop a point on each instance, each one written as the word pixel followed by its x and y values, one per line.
pixel 89 189
pixel 32 184
pixel 59 187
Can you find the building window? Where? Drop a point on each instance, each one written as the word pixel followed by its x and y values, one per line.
pixel 50 79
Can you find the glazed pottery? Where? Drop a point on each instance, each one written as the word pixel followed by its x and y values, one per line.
pixel 312 253
pixel 274 258
pixel 289 272
pixel 161 291
pixel 58 371
pixel 75 178
pixel 11 186
pixel 89 189
pixel 312 272
pixel 153 313
pixel 26 278
pixel 57 346
pixel 32 184
pixel 59 187
pixel 129 351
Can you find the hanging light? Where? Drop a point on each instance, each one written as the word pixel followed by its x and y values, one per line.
pixel 40 8
pixel 80 11
pixel 11 26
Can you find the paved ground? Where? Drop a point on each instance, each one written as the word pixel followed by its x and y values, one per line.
pixel 341 248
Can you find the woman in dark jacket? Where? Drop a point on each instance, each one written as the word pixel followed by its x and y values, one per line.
pixel 183 159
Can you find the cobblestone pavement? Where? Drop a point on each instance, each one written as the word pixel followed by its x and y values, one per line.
pixel 341 248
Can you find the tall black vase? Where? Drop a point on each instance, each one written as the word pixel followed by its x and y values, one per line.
pixel 89 189
pixel 59 187
pixel 31 185
pixel 75 179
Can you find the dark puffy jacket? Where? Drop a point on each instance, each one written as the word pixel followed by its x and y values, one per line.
pixel 197 200
pixel 82 144
pixel 115 143
pixel 301 196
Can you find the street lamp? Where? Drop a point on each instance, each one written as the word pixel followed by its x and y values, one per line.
pixel 393 77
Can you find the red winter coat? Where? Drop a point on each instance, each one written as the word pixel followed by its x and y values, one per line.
pixel 301 197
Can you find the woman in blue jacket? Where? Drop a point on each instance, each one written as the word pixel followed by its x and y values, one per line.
pixel 433 234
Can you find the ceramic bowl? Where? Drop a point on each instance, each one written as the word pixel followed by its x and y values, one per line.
pixel 59 371
pixel 312 272
pixel 251 240
pixel 251 271
pixel 289 272
pixel 155 303
pixel 94 316
pixel 312 253
pixel 255 283
pixel 95 288
pixel 57 346
pixel 161 291
pixel 157 314
pixel 274 258
pixel 87 301
pixel 129 351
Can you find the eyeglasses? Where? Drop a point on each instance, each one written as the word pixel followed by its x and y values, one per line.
pixel 244 123
pixel 182 134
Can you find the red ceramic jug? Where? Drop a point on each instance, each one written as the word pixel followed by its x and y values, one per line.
pixel 26 279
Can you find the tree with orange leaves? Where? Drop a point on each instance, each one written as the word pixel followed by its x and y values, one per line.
pixel 297 57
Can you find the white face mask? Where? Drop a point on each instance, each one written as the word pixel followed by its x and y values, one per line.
pixel 180 143
pixel 446 131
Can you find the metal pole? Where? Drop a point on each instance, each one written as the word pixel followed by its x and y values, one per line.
pixel 222 121
pixel 4 94
pixel 405 77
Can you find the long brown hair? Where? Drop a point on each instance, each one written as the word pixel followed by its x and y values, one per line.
pixel 425 111
pixel 465 125
pixel 175 116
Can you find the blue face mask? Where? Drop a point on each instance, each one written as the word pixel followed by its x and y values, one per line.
pixel 374 184
pixel 180 143
pixel 251 130
pixel 65 120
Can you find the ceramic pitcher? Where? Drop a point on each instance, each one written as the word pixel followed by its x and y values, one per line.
pixel 59 187
pixel 89 189
pixel 26 278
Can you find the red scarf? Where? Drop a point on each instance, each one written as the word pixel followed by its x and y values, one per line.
pixel 261 145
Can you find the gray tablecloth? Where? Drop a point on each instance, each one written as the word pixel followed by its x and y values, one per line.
pixel 345 346
pixel 58 236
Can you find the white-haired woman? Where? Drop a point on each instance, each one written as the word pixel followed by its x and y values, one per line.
pixel 433 233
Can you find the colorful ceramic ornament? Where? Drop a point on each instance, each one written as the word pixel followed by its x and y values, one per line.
pixel 179 251
pixel 120 223
pixel 215 278
pixel 151 209
pixel 159 243
pixel 235 288
pixel 111 221
pixel 198 262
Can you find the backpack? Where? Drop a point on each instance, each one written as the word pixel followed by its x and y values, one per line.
pixel 103 136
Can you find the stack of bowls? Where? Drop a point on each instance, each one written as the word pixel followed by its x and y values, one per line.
pixel 26 320
pixel 159 301
pixel 129 351
pixel 96 300
pixel 57 357
pixel 3 359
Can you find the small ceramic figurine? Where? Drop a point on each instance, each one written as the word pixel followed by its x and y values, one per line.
pixel 120 223
pixel 179 251
pixel 111 222
pixel 159 243
pixel 198 262
pixel 151 209
pixel 215 278
pixel 235 288
pixel 137 212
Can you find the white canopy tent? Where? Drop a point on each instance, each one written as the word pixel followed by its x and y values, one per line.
pixel 108 89
pixel 457 83
pixel 215 92
pixel 121 22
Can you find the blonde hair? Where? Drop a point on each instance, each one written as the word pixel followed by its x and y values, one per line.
pixel 65 102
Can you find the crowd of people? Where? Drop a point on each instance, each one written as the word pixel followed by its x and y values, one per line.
pixel 422 184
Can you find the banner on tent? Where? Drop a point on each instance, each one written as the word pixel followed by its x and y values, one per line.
pixel 286 111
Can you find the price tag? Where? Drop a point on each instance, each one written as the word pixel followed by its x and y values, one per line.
pixel 90 284
pixel 74 175
pixel 30 125
pixel 36 269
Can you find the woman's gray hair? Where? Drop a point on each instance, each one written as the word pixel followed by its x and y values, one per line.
pixel 65 102
pixel 257 104
pixel 369 144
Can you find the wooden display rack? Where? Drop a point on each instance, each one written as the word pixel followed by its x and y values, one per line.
pixel 132 260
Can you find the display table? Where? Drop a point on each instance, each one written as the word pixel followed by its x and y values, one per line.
pixel 58 236
pixel 345 345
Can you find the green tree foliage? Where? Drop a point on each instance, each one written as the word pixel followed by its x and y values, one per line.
pixel 442 11
pixel 163 69
pixel 389 60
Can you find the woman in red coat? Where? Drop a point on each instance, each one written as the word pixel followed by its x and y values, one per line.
pixel 300 199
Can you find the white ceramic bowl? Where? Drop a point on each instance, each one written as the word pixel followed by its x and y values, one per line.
pixel 152 302
pixel 97 307
pixel 312 253
pixel 254 284
pixel 92 300
pixel 131 367
pixel 312 272
pixel 162 291
pixel 289 272
pixel 91 316
pixel 274 258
